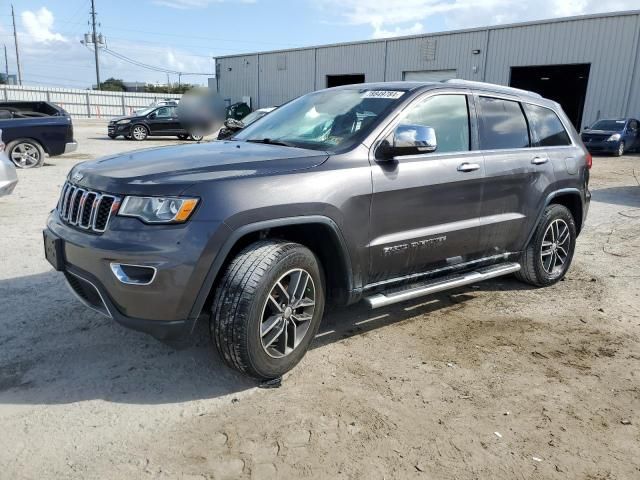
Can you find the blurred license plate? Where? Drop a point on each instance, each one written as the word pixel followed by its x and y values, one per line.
pixel 54 250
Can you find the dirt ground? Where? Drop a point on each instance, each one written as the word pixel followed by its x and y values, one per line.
pixel 494 381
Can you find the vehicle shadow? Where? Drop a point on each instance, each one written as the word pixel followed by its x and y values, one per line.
pixel 53 350
pixel 627 196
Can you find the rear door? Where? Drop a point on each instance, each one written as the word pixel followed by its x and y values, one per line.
pixel 424 211
pixel 517 174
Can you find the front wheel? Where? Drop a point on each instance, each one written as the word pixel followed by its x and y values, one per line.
pixel 548 256
pixel 620 150
pixel 195 137
pixel 139 132
pixel 267 308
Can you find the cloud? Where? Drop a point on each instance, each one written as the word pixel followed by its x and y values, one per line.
pixel 189 4
pixel 406 17
pixel 39 25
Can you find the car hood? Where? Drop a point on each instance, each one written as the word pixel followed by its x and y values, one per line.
pixel 117 119
pixel 600 132
pixel 170 170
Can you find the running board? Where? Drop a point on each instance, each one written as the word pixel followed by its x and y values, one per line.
pixel 451 281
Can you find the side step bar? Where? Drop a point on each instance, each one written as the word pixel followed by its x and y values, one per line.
pixel 452 281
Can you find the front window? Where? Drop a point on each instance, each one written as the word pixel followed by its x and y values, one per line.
pixel 611 125
pixel 328 120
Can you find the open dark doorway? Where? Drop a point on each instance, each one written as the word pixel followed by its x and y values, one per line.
pixel 566 84
pixel 337 80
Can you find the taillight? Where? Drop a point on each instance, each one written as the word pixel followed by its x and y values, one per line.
pixel 589 160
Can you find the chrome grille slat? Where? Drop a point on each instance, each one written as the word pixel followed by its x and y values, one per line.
pixel 86 209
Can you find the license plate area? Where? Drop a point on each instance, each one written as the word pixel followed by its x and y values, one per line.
pixel 54 250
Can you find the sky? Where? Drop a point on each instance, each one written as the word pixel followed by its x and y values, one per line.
pixel 184 35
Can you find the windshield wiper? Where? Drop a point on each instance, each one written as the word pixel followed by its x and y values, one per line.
pixel 270 141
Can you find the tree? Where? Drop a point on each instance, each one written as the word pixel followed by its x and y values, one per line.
pixel 112 85
pixel 173 88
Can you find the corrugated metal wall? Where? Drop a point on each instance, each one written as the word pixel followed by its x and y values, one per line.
pixel 610 43
pixel 84 103
pixel 605 43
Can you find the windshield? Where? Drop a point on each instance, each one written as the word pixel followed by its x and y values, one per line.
pixel 608 125
pixel 327 120
pixel 145 111
pixel 252 117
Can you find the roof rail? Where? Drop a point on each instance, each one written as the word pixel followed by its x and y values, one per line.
pixel 492 86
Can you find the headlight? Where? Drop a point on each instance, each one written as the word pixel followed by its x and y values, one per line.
pixel 157 209
pixel 613 138
pixel 123 122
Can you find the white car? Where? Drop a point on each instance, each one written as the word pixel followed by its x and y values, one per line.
pixel 8 175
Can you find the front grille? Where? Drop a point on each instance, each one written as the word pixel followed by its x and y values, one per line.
pixel 86 209
pixel 594 138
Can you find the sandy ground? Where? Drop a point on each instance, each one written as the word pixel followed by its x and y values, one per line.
pixel 496 381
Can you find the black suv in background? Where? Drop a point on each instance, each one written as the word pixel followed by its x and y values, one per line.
pixel 379 192
pixel 152 121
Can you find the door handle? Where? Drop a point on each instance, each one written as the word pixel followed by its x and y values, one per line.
pixel 539 160
pixel 468 167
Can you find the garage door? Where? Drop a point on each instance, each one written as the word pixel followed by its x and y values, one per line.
pixel 429 75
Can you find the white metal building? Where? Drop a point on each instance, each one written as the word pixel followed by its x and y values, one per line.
pixel 590 64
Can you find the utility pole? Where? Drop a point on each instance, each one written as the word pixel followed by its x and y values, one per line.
pixel 15 38
pixel 95 40
pixel 6 64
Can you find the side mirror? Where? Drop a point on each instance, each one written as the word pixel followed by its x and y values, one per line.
pixel 408 140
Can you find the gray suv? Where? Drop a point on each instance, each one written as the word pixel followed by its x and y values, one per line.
pixel 379 192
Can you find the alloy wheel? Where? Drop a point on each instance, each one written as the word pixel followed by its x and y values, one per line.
pixel 25 155
pixel 139 133
pixel 287 313
pixel 555 247
pixel 621 149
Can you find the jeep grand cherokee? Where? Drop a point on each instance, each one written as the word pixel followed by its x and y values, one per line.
pixel 378 192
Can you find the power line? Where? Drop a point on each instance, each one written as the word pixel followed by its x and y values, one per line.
pixel 151 67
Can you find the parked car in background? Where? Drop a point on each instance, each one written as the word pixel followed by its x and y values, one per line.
pixel 231 125
pixel 166 102
pixel 8 175
pixel 152 121
pixel 31 129
pixel 617 136
pixel 381 192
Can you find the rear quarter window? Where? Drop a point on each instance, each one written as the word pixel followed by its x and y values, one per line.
pixel 502 124
pixel 547 128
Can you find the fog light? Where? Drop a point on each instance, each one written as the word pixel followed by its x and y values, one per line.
pixel 134 274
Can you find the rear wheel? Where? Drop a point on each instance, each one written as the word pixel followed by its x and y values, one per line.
pixel 267 308
pixel 139 132
pixel 548 256
pixel 25 153
pixel 195 137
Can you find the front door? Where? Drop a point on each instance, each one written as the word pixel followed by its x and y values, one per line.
pixel 164 121
pixel 425 208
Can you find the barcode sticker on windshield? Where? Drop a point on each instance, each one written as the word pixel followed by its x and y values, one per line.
pixel 392 94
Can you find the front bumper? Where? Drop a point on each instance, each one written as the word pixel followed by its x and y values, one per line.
pixel 115 129
pixel 602 147
pixel 182 256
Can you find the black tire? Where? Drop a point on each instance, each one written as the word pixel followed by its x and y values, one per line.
pixel 25 153
pixel 112 137
pixel 242 299
pixel 537 271
pixel 195 137
pixel 139 132
pixel 620 151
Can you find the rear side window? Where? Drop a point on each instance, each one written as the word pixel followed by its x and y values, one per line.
pixel 502 124
pixel 448 115
pixel 546 126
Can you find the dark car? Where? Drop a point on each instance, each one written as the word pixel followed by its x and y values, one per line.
pixel 232 126
pixel 615 136
pixel 380 192
pixel 31 129
pixel 152 121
